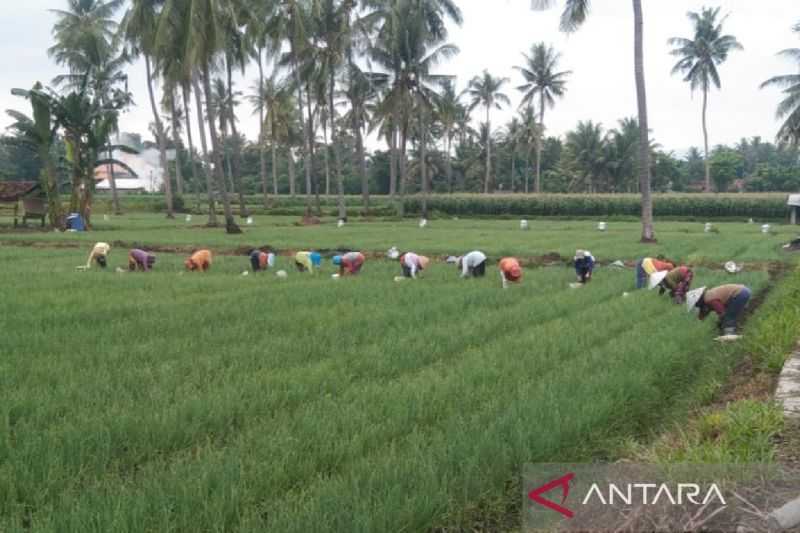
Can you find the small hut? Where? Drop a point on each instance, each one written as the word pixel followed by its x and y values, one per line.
pixel 29 193
pixel 794 204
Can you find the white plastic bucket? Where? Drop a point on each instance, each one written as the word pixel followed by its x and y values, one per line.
pixel 602 226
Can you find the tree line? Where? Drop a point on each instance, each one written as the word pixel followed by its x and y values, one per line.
pixel 333 72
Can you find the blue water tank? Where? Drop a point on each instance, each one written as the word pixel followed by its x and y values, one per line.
pixel 75 222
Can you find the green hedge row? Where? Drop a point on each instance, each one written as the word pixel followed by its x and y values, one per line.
pixel 766 206
pixel 698 205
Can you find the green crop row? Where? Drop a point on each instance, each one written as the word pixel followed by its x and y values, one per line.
pixel 761 207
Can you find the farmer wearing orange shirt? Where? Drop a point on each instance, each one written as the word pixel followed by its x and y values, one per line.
pixel 510 271
pixel 728 301
pixel 200 260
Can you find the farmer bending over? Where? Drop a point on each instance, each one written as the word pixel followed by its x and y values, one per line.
pixel 677 281
pixel 648 266
pixel 139 259
pixel 99 254
pixel 728 301
pixel 510 271
pixel 584 265
pixel 200 260
pixel 261 260
pixel 307 261
pixel 472 265
pixel 412 263
pixel 349 263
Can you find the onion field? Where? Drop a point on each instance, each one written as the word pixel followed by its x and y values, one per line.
pixel 221 402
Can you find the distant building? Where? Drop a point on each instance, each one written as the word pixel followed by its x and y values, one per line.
pixel 140 172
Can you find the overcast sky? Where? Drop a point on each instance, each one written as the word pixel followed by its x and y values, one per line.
pixel 494 34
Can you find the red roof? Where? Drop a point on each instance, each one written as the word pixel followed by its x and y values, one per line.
pixel 12 191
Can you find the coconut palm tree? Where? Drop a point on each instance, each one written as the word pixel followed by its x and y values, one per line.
pixel 486 91
pixel 699 57
pixel 544 82
pixel 273 95
pixel 204 40
pixel 139 30
pixel 572 17
pixel 789 107
pixel 448 110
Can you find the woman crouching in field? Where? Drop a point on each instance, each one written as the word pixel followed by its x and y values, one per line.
pixel 349 263
pixel 141 260
pixel 728 301
pixel 510 271
pixel 584 265
pixel 472 265
pixel 307 261
pixel 412 263
pixel 200 260
pixel 260 260
pixel 99 255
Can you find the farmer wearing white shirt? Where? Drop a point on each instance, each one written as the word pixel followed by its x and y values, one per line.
pixel 472 265
pixel 99 254
pixel 412 263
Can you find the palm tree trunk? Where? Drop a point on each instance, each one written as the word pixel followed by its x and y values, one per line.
pixel 513 167
pixel 326 158
pixel 648 234
pixel 423 163
pixel 311 141
pixel 393 160
pixel 527 167
pixel 306 134
pixel 362 159
pixel 337 158
pixel 403 171
pixel 262 148
pixel 292 182
pixel 230 224
pixel 237 147
pixel 448 159
pixel 176 139
pixel 162 148
pixel 274 148
pixel 112 181
pixel 706 162
pixel 539 143
pixel 212 208
pixel 74 200
pixel 192 162
pixel 488 152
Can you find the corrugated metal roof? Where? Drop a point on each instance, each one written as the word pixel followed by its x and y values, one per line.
pixel 12 191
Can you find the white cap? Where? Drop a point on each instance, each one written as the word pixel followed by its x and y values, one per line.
pixel 692 297
pixel 656 278
pixel 579 254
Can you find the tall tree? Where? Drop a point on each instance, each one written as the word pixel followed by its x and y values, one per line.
pixel 572 17
pixel 544 82
pixel 448 109
pixel 699 57
pixel 139 28
pixel 204 40
pixel 486 91
pixel 789 108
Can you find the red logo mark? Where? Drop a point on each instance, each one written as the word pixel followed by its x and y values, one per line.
pixel 563 482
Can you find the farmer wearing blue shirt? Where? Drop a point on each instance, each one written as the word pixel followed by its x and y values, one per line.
pixel 584 265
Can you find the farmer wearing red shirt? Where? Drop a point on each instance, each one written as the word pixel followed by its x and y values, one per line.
pixel 349 263
pixel 728 301
pixel 677 281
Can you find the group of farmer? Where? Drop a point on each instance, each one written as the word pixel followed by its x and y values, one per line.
pixel 728 301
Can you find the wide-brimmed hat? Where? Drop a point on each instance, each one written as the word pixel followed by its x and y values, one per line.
pixel 656 278
pixel 316 258
pixel 692 297
pixel 515 273
pixel 579 254
pixel 424 262
pixel 337 260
